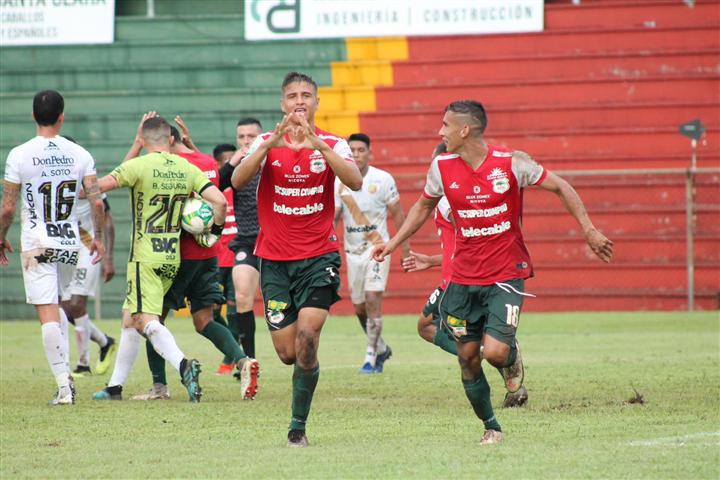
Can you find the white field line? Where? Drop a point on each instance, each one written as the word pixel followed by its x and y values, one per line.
pixel 678 441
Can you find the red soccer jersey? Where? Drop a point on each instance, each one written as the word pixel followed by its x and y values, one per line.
pixel 446 232
pixel 189 249
pixel 226 257
pixel 296 203
pixel 487 208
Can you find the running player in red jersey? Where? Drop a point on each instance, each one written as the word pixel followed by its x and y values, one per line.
pixel 297 243
pixel 481 305
pixel 429 325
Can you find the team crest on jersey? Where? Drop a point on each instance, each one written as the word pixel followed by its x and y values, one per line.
pixel 317 165
pixel 497 173
pixel 372 188
pixel 476 189
pixel 501 185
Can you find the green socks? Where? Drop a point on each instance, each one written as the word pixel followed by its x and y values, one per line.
pixel 156 364
pixel 217 316
pixel 478 392
pixel 304 383
pixel 223 341
pixel 442 340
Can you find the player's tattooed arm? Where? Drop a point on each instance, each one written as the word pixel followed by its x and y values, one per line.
pixel 92 192
pixel 11 192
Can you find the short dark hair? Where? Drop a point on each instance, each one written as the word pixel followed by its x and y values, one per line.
pixel 472 108
pixel 248 121
pixel 359 137
pixel 175 133
pixel 224 147
pixel 47 107
pixel 440 148
pixel 297 77
pixel 156 129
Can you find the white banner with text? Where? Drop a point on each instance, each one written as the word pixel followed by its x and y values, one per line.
pixel 56 22
pixel 287 19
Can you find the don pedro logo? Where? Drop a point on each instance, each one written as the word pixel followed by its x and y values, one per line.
pixel 274 312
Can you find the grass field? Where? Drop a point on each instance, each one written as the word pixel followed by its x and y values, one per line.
pixel 411 421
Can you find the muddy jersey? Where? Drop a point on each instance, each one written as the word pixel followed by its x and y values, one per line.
pixel 446 232
pixel 295 200
pixel 487 209
pixel 159 183
pixel 365 211
pixel 50 172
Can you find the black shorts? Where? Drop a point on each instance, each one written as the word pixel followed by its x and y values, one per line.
pixel 198 281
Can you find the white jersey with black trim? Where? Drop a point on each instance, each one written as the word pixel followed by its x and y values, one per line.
pixel 365 211
pixel 50 172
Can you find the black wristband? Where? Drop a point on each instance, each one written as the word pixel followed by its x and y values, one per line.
pixel 217 229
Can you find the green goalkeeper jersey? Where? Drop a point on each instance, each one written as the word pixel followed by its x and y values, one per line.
pixel 159 183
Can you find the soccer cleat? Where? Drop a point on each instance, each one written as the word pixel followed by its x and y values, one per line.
pixel 105 394
pixel 190 374
pixel 382 358
pixel 81 371
pixel 159 391
pixel 515 373
pixel 297 439
pixel 249 370
pixel 491 437
pixel 64 396
pixel 106 354
pixel 517 399
pixel 367 368
pixel 225 369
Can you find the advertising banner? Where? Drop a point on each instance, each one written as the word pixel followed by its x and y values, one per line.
pixel 286 19
pixel 56 22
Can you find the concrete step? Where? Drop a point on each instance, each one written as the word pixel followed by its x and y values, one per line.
pixel 621 142
pixel 608 38
pixel 541 66
pixel 551 117
pixel 679 88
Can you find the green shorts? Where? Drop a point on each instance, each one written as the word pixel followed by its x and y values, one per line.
pixel 147 284
pixel 287 286
pixel 225 280
pixel 431 306
pixel 470 311
pixel 196 280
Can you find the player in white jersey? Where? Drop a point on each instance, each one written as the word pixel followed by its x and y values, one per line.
pixel 48 171
pixel 364 214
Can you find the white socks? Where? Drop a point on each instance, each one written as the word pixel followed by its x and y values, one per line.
pixel 96 335
pixel 56 353
pixel 64 328
pixel 82 337
pixel 164 343
pixel 126 355
pixel 374 329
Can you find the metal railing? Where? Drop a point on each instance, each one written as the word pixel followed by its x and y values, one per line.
pixel 689 174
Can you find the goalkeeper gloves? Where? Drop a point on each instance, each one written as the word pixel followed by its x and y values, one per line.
pixel 209 238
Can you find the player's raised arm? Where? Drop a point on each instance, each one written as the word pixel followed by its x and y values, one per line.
pixel 137 144
pixel 185 133
pixel 348 173
pixel 251 164
pixel 416 217
pixel 11 192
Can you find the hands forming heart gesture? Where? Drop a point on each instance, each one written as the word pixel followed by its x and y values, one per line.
pixel 299 132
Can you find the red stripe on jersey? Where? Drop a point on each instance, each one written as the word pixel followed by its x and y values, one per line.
pixel 226 257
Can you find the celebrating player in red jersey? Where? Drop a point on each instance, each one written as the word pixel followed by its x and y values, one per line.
pixel 299 275
pixel 481 305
